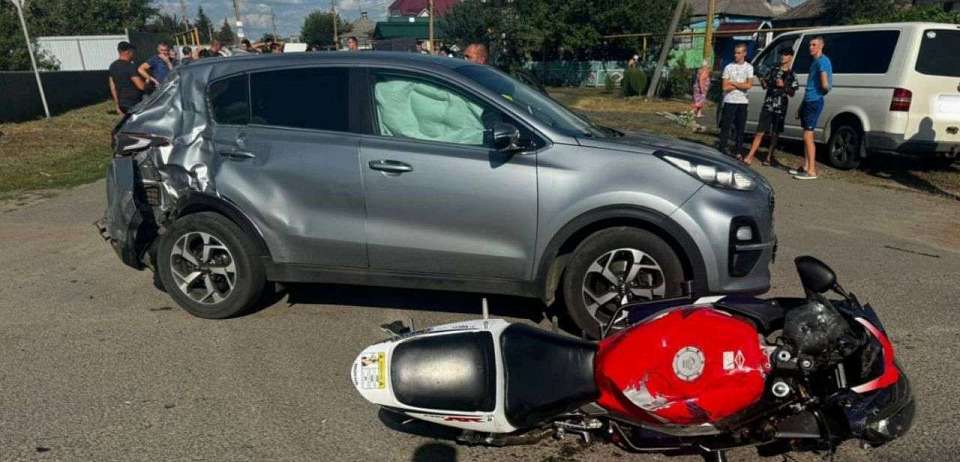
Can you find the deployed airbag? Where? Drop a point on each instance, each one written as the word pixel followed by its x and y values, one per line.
pixel 411 109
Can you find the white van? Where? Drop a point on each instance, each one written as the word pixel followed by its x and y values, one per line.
pixel 896 89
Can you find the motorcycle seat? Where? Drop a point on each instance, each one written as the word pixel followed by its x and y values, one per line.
pixel 545 374
pixel 454 372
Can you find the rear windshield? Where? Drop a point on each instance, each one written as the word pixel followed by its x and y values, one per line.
pixel 938 53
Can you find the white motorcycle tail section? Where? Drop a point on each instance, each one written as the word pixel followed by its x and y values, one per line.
pixel 466 348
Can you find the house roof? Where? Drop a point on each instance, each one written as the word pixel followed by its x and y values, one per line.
pixel 749 27
pixel 362 27
pixel 810 9
pixel 415 7
pixel 752 8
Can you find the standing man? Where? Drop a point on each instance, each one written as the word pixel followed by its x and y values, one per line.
pixel 781 84
pixel 156 68
pixel 353 44
pixel 819 82
pixel 126 85
pixel 737 80
pixel 476 53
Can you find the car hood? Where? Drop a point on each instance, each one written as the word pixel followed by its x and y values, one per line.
pixel 648 143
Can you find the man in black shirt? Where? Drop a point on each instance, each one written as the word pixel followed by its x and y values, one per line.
pixel 781 84
pixel 126 85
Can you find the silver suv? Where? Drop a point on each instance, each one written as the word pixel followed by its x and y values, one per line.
pixel 404 170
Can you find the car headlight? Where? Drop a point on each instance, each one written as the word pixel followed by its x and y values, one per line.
pixel 712 174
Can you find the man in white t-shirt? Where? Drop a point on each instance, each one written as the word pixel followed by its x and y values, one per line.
pixel 737 80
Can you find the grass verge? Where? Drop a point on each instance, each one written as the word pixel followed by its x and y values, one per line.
pixel 67 150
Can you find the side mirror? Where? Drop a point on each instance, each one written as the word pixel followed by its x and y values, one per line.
pixel 815 275
pixel 506 137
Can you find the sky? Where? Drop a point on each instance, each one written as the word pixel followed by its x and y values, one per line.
pixel 290 13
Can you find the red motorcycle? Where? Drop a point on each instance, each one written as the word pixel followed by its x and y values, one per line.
pixel 704 376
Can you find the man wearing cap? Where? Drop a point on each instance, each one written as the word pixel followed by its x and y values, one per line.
pixel 126 85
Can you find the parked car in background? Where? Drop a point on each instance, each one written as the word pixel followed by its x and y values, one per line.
pixel 406 170
pixel 896 89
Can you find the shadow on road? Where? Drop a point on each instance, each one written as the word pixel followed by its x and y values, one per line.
pixel 435 452
pixel 903 171
pixel 411 299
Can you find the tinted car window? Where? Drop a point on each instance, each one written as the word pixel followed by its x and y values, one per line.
pixel 938 53
pixel 230 100
pixel 868 52
pixel 314 98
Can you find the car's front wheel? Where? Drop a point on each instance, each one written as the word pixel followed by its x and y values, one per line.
pixel 616 266
pixel 208 265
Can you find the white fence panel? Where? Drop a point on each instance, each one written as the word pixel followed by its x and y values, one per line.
pixel 82 52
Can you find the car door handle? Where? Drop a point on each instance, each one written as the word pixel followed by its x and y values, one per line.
pixel 390 166
pixel 237 154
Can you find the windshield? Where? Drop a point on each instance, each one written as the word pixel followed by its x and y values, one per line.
pixel 938 53
pixel 531 102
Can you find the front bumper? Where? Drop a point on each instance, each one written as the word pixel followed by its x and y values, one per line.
pixel 712 217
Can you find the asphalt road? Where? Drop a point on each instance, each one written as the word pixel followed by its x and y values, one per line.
pixel 95 364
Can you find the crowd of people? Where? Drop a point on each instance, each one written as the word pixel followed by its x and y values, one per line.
pixel 129 82
pixel 780 84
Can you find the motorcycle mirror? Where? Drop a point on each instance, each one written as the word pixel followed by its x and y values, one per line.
pixel 815 275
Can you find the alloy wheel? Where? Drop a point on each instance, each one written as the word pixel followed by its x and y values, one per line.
pixel 203 267
pixel 845 146
pixel 619 277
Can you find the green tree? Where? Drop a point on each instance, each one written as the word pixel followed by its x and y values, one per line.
pixel 203 25
pixel 164 23
pixel 317 28
pixel 225 34
pixel 853 11
pixel 58 17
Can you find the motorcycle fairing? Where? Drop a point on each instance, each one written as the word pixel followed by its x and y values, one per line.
pixel 373 377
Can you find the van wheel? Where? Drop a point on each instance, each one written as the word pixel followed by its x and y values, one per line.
pixel 208 266
pixel 616 266
pixel 845 148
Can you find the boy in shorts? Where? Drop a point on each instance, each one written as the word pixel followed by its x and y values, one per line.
pixel 781 84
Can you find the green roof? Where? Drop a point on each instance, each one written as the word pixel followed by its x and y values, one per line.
pixel 395 29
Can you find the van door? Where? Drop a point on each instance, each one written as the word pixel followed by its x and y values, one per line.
pixel 934 117
pixel 767 60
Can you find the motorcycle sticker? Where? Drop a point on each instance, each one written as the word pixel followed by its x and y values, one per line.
pixel 373 371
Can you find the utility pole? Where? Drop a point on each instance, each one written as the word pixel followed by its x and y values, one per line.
pixel 431 27
pixel 236 11
pixel 665 50
pixel 183 14
pixel 333 12
pixel 708 35
pixel 33 62
pixel 273 21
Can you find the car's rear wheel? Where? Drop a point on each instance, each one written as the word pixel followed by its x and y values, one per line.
pixel 614 267
pixel 845 147
pixel 208 265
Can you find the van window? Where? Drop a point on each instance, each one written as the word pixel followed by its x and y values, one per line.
pixel 770 58
pixel 867 52
pixel 314 98
pixel 230 100
pixel 938 53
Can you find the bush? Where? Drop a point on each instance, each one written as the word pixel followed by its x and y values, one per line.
pixel 679 84
pixel 634 82
pixel 609 84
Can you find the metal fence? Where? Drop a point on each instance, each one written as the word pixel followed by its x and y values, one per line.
pixel 82 52
pixel 65 90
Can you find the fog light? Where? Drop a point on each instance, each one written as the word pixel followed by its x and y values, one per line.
pixel 744 234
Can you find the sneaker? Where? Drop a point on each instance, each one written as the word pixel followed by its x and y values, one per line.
pixel 804 176
pixel 796 171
